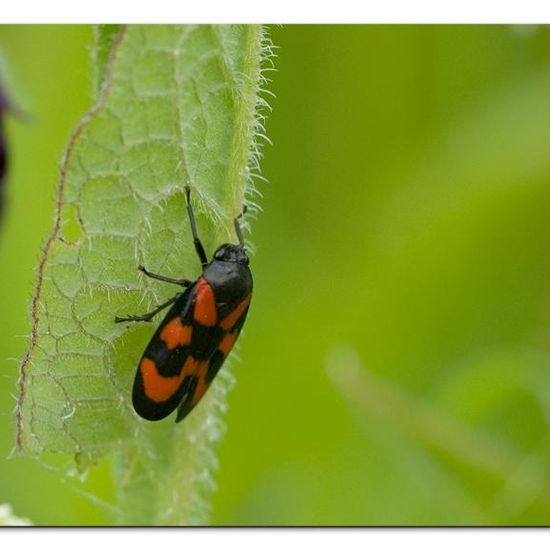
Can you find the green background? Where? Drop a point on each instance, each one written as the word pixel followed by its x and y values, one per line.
pixel 406 221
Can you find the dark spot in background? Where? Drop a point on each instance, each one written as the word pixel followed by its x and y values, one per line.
pixel 3 149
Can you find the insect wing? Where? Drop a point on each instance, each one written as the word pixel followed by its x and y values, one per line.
pixel 224 336
pixel 163 372
pixel 185 353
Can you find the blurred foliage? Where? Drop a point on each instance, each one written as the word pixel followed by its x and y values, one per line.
pixel 406 218
pixel 7 517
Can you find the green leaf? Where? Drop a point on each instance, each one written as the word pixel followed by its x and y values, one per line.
pixel 178 105
pixel 105 36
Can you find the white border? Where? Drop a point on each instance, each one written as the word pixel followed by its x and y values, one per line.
pixel 275 539
pixel 275 11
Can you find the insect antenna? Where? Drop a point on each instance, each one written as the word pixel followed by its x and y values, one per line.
pixel 238 226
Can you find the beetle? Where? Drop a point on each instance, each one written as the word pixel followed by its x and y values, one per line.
pixel 198 332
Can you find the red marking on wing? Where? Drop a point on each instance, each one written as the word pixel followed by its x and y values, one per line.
pixel 205 305
pixel 227 342
pixel 228 322
pixel 159 388
pixel 202 386
pixel 176 334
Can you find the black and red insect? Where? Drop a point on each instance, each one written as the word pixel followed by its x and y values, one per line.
pixel 198 332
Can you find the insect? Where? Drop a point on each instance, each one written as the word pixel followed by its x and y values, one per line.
pixel 198 332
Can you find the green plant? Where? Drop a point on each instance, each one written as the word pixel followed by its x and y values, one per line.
pixel 175 105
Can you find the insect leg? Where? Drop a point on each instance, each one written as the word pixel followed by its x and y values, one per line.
pixel 181 282
pixel 198 245
pixel 150 315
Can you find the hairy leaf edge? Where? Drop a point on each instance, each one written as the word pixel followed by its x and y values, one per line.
pixel 84 121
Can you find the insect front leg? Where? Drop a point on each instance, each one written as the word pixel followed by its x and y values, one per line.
pixel 148 316
pixel 180 282
pixel 197 242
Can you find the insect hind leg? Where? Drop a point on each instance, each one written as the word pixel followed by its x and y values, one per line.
pixel 147 316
